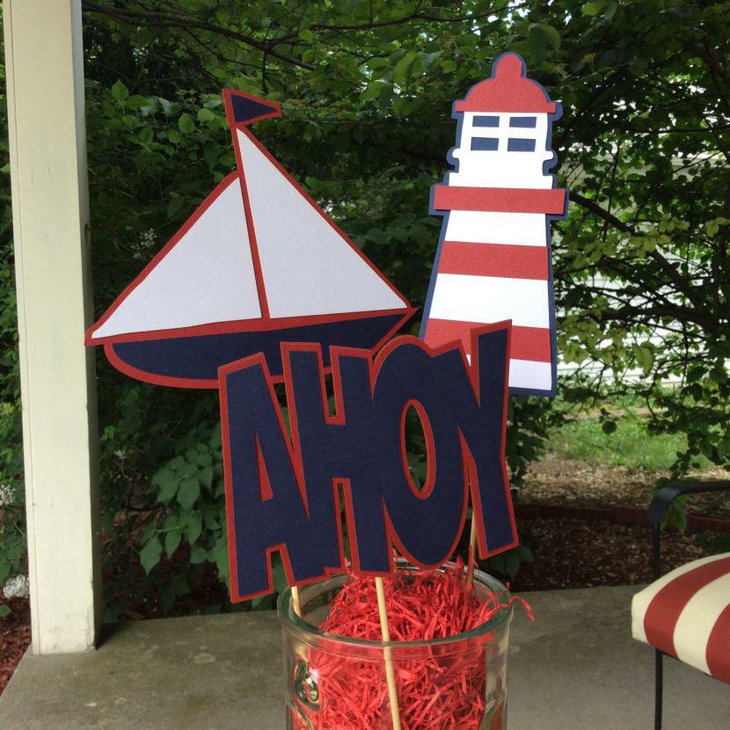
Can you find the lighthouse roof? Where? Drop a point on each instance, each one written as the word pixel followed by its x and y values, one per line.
pixel 507 90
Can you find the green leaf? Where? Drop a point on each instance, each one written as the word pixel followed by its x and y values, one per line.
pixel 185 123
pixel 219 555
pixel 638 66
pixel 306 35
pixel 188 493
pixel 539 37
pixel 645 358
pixel 150 554
pixel 194 527
pixel 610 10
pixel 262 603
pixel 279 576
pixel 551 34
pixel 198 555
pixel 5 611
pixel 509 562
pixel 206 115
pixel 593 8
pixel 373 90
pixel 206 476
pixel 168 482
pixel 172 542
pixel 119 91
pixel 537 43
pixel 146 135
pixel 427 59
pixel 400 72
pixel 677 515
pixel 215 438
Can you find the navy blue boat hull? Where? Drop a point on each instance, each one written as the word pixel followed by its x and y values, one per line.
pixel 193 361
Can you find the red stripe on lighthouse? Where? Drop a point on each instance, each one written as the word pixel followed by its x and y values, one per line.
pixel 507 200
pixel 531 343
pixel 494 259
pixel 527 343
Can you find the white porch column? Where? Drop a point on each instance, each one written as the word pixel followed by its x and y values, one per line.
pixel 44 65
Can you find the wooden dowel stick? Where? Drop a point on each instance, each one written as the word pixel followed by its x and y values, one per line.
pixel 472 551
pixel 389 671
pixel 295 601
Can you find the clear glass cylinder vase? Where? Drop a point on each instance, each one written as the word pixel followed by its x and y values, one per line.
pixel 339 682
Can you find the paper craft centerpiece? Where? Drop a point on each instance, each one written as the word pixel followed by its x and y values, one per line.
pixel 260 286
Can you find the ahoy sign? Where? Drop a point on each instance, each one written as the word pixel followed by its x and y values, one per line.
pixel 286 489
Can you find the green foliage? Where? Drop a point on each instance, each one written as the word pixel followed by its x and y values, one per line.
pixel 12 506
pixel 642 265
pixel 627 442
pixel 508 564
pixel 191 487
pixel 715 543
pixel 12 541
pixel 367 89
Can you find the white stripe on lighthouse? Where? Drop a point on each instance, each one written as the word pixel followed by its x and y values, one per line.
pixel 530 374
pixel 517 229
pixel 465 298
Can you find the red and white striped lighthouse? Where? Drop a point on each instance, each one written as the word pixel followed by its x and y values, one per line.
pixel 493 259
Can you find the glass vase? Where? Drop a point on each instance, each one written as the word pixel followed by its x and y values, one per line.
pixel 336 682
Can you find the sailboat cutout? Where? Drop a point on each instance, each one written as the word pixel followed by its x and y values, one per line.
pixel 258 263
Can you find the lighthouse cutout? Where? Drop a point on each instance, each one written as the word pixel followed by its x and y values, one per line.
pixel 493 257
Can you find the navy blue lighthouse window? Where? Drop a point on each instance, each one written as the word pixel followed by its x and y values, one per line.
pixel 484 121
pixel 485 143
pixel 515 144
pixel 524 122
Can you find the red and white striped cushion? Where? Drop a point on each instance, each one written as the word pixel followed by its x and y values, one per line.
pixel 686 614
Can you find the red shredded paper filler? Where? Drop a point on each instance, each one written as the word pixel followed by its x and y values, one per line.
pixel 441 686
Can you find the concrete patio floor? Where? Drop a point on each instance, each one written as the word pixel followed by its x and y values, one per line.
pixel 575 668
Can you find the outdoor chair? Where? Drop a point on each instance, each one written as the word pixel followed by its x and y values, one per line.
pixel 685 613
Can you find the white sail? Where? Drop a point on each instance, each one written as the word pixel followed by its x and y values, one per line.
pixel 206 277
pixel 308 267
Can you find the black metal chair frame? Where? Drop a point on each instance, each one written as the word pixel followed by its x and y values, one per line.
pixel 657 512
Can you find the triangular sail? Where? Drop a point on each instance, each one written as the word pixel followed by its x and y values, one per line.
pixel 309 268
pixel 207 275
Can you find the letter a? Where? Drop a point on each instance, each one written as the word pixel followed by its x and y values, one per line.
pixel 266 499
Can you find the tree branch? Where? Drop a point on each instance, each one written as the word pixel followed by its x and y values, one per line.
pixel 682 285
pixel 172 20
pixel 602 213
